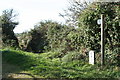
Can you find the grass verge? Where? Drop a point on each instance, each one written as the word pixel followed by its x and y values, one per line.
pixel 45 67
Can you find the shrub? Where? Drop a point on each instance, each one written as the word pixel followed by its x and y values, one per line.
pixel 70 56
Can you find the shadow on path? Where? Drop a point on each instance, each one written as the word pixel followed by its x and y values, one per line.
pixel 13 71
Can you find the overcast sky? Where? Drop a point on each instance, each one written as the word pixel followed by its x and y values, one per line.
pixel 34 11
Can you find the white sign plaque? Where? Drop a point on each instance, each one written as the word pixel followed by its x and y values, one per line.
pixel 91 57
pixel 99 21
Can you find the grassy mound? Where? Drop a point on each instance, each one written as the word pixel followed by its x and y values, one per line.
pixel 47 67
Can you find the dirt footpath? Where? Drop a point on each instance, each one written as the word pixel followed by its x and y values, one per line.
pixel 12 71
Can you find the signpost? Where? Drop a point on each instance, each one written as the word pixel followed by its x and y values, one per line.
pixel 101 21
pixel 0 53
pixel 102 39
pixel 0 65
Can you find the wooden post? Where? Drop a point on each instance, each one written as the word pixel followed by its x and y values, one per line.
pixel 0 65
pixel 102 39
pixel 0 37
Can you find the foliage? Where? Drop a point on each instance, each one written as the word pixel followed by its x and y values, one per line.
pixel 38 37
pixel 52 36
pixel 111 29
pixel 113 57
pixel 72 13
pixel 23 38
pixel 71 56
pixel 87 22
pixel 8 24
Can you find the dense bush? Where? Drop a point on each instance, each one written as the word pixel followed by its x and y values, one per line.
pixel 23 39
pixel 8 24
pixel 44 36
pixel 85 18
pixel 88 25
pixel 51 36
pixel 71 56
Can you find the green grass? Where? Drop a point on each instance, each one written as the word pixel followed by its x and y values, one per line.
pixel 47 67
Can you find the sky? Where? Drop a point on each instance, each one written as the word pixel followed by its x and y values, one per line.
pixel 33 11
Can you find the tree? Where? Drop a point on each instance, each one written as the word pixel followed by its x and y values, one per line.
pixel 8 24
pixel 72 13
pixel 88 24
pixel 48 36
pixel 86 18
pixel 38 37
